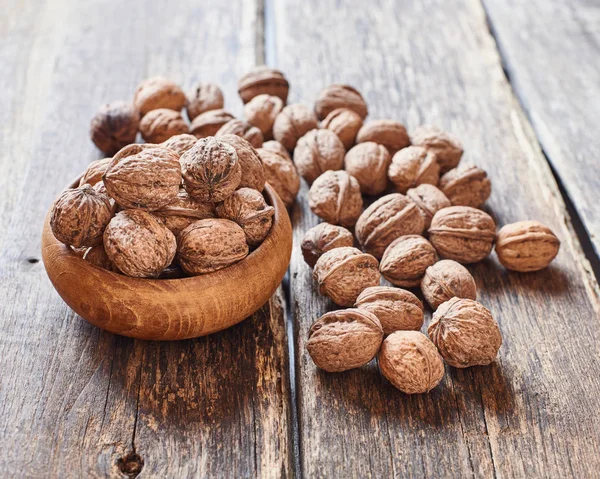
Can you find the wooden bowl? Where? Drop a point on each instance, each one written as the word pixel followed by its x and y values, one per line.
pixel 167 309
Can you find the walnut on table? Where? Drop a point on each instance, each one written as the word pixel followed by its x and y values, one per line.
pixel 114 126
pixel 340 96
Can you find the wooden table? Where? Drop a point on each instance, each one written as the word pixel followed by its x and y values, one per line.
pixel 517 80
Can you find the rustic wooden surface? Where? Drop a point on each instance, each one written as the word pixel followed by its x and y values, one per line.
pixel 79 402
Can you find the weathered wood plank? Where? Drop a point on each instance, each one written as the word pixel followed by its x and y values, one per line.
pixel 75 401
pixel 551 50
pixel 528 415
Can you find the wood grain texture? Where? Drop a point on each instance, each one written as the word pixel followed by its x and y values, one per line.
pixel 550 51
pixel 76 401
pixel 532 413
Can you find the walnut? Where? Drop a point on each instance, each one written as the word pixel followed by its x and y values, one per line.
pixel 368 163
pixel 335 197
pixel 406 259
pixel 322 238
pixel 447 149
pixel 340 96
pixel 209 122
pixel 462 233
pixel 161 124
pixel 203 98
pixel 253 170
pixel 281 175
pixel 345 123
pixel 409 360
pixel 94 172
pixel 242 129
pixel 97 256
pixel 388 218
pixel 292 123
pixel 263 80
pixel 413 166
pixel 80 215
pixel 396 309
pixel 248 208
pixel 388 133
pixel 148 180
pixel 133 149
pixel 276 147
pixel 158 92
pixel 210 245
pixel 343 273
pixel 317 152
pixel 465 333
pixel 429 199
pixel 466 186
pixel 343 340
pixel 526 246
pixel 182 212
pixel 180 143
pixel 101 188
pixel 138 244
pixel 114 126
pixel 211 170
pixel 447 279
pixel 261 112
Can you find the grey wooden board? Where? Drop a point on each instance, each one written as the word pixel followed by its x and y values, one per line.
pixel 551 51
pixel 534 412
pixel 74 400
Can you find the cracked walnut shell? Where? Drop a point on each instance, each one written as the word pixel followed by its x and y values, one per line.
pixel 447 279
pixel 182 212
pixel 158 92
pixel 335 197
pixel 80 215
pixel 161 124
pixel 465 333
pixel 397 309
pixel 203 98
pixel 388 133
pixel 466 186
pixel 526 246
pixel 343 273
pixel 462 233
pixel 148 179
pixel 343 340
pixel 429 199
pixel 317 152
pixel 410 361
pixel 413 166
pixel 248 208
pixel 138 244
pixel 211 170
pixel 340 96
pixel 406 259
pixel 180 143
pixel 208 123
pixel 281 174
pixel 292 123
pixel 322 238
pixel 210 245
pixel 261 112
pixel 242 129
pixel 253 170
pixel 388 218
pixel 114 126
pixel 345 123
pixel 263 80
pixel 447 149
pixel 368 163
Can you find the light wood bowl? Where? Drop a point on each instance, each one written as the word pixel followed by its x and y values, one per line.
pixel 168 309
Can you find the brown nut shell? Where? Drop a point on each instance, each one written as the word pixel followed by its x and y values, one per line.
pixel 465 333
pixel 158 92
pixel 317 152
pixel 281 174
pixel 180 143
pixel 292 123
pixel 203 98
pixel 462 233
pixel 97 256
pixel 211 170
pixel 368 163
pixel 261 112
pixel 161 124
pixel 276 147
pixel 322 238
pixel 396 309
pixel 208 123
pixel 447 148
pixel 114 126
pixel 429 199
pixel 413 166
pixel 406 259
pixel 94 172
pixel 335 197
pixel 340 96
pixel 445 280
pixel 345 124
pixel 242 129
pixel 253 170
pixel 210 245
pixel 343 273
pixel 138 244
pixel 263 80
pixel 80 215
pixel 466 186
pixel 184 211
pixel 248 208
pixel 388 133
pixel 388 218
pixel 526 246
pixel 409 360
pixel 148 179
